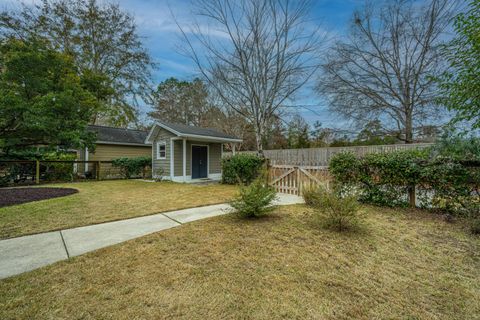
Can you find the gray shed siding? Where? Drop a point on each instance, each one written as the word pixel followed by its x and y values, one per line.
pixel 177 158
pixel 161 134
pixel 214 156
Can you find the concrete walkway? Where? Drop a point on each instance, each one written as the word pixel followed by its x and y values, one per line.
pixel 22 254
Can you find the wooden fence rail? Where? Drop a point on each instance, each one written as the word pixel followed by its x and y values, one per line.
pixel 18 172
pixel 293 179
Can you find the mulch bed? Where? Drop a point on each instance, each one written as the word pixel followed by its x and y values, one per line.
pixel 13 196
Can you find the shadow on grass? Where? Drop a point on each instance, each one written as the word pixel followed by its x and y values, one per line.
pixel 266 218
pixel 320 223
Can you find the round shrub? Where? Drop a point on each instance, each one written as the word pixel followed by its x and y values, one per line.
pixel 254 200
pixel 130 167
pixel 241 168
pixel 337 213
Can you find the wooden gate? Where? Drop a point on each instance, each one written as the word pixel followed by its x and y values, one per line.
pixel 294 179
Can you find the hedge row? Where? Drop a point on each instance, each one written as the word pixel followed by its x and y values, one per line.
pixel 444 182
pixel 131 167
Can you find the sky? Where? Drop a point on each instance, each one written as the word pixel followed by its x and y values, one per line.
pixel 161 37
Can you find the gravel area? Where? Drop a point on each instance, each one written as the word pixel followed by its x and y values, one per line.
pixel 12 196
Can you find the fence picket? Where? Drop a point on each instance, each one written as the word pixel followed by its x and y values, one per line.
pixel 295 179
pixel 322 156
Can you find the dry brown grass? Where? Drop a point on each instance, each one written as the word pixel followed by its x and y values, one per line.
pixel 403 265
pixel 107 201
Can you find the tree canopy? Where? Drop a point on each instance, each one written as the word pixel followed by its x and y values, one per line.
pixel 183 102
pixel 461 84
pixel 104 43
pixel 42 101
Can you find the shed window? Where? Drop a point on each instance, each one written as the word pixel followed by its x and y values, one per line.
pixel 161 150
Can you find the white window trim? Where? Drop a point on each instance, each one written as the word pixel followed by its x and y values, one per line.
pixel 161 143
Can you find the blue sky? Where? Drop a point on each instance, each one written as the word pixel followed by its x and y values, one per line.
pixel 161 38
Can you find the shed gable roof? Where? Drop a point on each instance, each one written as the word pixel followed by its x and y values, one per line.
pixel 182 130
pixel 118 135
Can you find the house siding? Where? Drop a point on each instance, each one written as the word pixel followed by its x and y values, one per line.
pixel 161 134
pixel 178 158
pixel 108 152
pixel 214 157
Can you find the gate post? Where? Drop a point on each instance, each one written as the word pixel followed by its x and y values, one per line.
pixel 298 183
pixel 98 170
pixel 411 196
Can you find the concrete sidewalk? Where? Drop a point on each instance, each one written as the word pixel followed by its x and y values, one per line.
pixel 27 253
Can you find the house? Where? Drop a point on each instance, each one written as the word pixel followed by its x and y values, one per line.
pixel 185 153
pixel 113 143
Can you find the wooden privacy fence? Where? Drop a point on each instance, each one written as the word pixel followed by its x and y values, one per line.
pixel 322 156
pixel 293 179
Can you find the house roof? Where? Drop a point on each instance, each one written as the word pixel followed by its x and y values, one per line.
pixel 120 136
pixel 185 131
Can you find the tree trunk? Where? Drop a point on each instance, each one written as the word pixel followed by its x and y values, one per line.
pixel 412 196
pixel 258 140
pixel 408 128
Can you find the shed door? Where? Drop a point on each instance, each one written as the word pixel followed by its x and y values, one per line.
pixel 199 162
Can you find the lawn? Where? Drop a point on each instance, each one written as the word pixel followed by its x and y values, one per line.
pixel 403 265
pixel 106 201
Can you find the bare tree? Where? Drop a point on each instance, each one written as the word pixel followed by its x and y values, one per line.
pixel 262 53
pixel 385 69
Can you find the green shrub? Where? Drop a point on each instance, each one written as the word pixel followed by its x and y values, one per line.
pixel 51 171
pixel 241 168
pixel 383 178
pixel 457 147
pixel 130 167
pixel 254 200
pixel 440 181
pixel 311 195
pixel 335 212
pixel 345 167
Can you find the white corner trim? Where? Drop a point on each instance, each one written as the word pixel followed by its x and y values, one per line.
pixel 184 158
pixel 152 165
pixel 149 136
pixel 172 168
